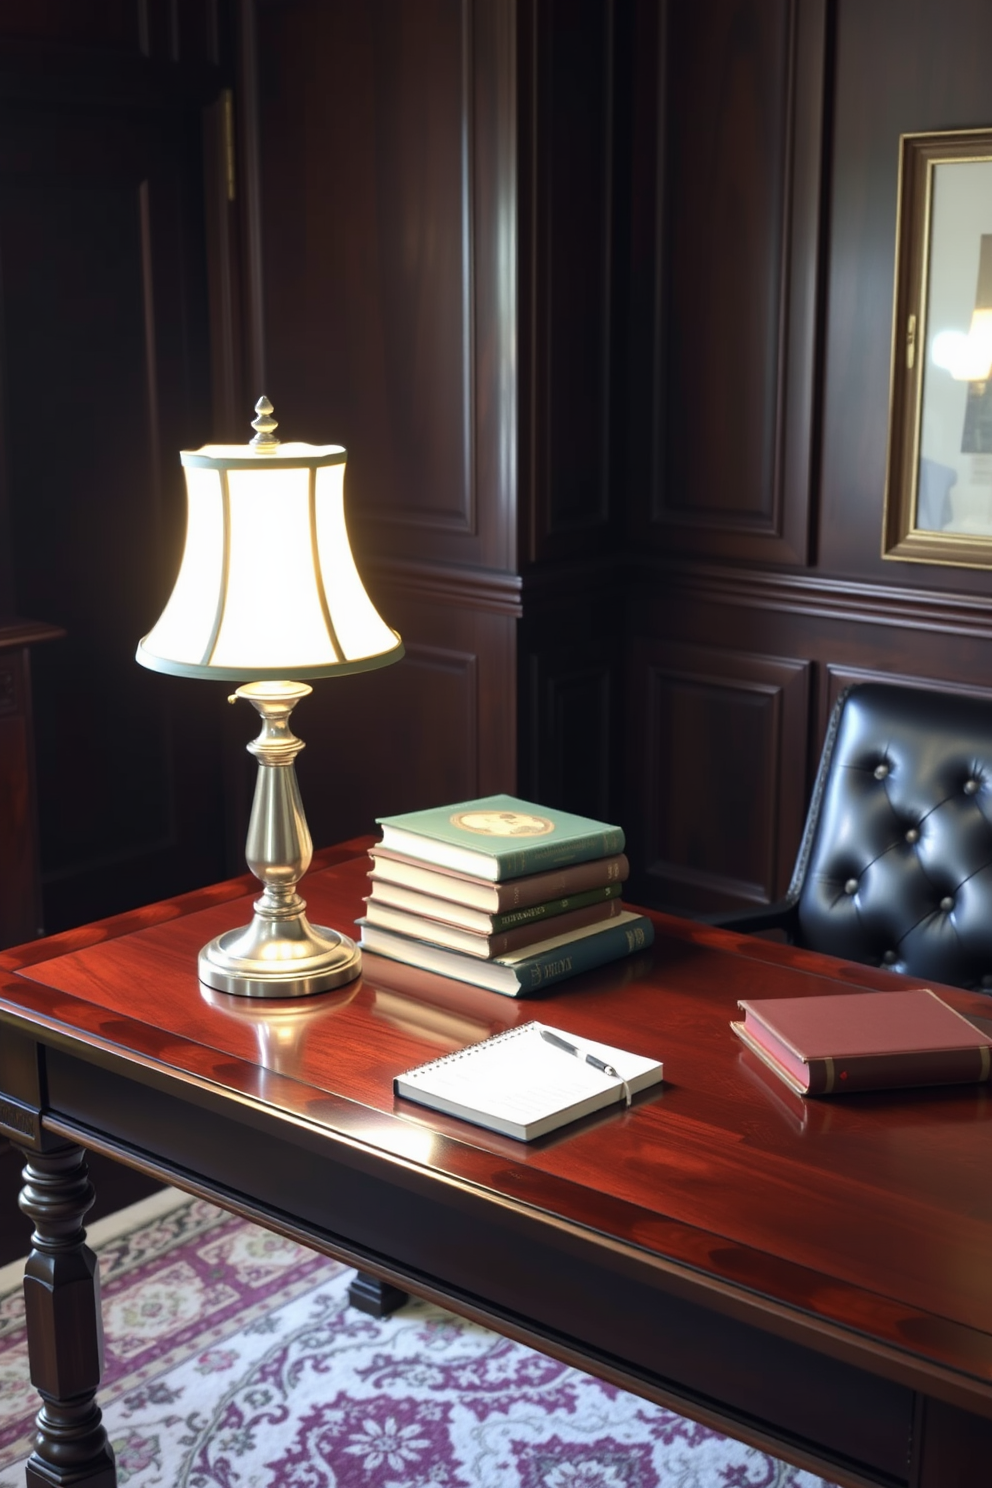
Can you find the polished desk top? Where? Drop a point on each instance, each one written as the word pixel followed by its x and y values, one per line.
pixel 864 1222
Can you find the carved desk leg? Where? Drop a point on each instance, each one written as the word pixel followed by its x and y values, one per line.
pixel 65 1331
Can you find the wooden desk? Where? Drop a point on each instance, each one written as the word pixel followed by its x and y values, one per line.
pixel 816 1279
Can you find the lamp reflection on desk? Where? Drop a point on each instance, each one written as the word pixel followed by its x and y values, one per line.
pixel 279 1026
pixel 268 590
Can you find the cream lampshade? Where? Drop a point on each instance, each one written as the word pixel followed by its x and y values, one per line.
pixel 268 590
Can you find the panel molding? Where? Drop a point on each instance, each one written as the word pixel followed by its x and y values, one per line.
pixel 464 518
pixel 445 489
pixel 448 584
pixel 826 597
pixel 689 810
pixel 835 676
pixel 570 764
pixel 777 530
pixel 463 665
pixel 567 229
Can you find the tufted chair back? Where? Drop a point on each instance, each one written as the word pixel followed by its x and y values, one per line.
pixel 896 862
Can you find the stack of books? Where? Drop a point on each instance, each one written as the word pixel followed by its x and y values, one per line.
pixel 500 893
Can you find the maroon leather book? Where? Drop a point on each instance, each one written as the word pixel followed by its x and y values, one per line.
pixel 864 1041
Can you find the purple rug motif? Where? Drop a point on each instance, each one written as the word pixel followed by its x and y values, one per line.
pixel 234 1361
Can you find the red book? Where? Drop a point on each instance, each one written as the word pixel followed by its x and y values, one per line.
pixel 864 1041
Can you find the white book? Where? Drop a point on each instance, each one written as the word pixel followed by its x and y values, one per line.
pixel 522 1084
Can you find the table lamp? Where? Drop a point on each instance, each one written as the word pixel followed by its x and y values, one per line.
pixel 268 590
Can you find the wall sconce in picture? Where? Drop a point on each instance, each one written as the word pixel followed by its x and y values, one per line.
pixel 938 493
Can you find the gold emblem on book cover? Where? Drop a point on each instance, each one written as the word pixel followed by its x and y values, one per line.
pixel 503 823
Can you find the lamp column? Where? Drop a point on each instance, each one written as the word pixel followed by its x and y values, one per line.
pixel 280 954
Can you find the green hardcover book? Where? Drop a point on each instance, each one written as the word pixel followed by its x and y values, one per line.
pixel 529 970
pixel 499 837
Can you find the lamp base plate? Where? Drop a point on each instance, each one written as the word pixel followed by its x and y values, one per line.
pixel 293 966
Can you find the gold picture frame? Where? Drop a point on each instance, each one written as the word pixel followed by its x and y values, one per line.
pixel 938 486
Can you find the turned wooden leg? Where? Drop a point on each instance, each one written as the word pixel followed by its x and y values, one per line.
pixel 371 1295
pixel 65 1332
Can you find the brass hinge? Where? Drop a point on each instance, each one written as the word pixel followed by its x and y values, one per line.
pixel 911 343
pixel 227 103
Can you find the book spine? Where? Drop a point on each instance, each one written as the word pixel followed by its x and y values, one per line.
pixel 584 954
pixel 521 936
pixel 553 907
pixel 540 857
pixel 892 1071
pixel 536 888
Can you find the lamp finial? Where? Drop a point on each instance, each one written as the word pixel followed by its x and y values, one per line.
pixel 264 426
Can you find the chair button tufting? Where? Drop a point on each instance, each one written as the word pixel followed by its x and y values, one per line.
pixel 851 887
pixel 881 771
pixel 947 904
pixel 890 958
pixel 913 835
pixel 971 787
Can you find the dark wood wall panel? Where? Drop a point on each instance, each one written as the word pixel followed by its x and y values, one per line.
pixel 760 238
pixel 572 704
pixel 727 144
pixel 105 371
pixel 20 887
pixel 834 677
pixel 568 180
pixel 168 30
pixel 712 734
pixel 714 786
pixel 90 23
pixel 98 509
pixel 389 273
pixel 571 688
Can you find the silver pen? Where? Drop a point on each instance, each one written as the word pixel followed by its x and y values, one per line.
pixel 593 1059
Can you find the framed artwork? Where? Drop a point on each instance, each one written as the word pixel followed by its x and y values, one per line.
pixel 938 489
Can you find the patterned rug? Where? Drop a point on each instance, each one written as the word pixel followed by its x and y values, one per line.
pixel 234 1361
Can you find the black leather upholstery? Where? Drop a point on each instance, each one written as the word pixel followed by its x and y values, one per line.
pixel 895 868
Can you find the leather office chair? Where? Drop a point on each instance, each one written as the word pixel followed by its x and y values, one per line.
pixel 895 865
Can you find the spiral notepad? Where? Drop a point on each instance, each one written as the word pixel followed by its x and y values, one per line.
pixel 519 1084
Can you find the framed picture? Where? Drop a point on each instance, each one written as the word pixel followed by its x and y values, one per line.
pixel 938 490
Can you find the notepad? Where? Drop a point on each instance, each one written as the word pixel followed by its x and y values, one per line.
pixel 519 1084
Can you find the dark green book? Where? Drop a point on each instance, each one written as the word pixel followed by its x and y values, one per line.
pixel 542 964
pixel 480 921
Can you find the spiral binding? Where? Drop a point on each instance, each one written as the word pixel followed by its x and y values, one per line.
pixel 496 1038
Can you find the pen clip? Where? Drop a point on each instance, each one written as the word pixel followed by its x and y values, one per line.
pixel 591 1059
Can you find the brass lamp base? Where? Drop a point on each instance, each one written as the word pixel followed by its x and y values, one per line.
pixel 280 954
pixel 291 959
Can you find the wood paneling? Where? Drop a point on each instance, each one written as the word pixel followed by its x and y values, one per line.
pixel 571 710
pixel 835 677
pixel 100 31
pixel 389 275
pixel 20 881
pixel 898 69
pixel 106 375
pixel 566 240
pixel 571 686
pixel 727 145
pixel 714 738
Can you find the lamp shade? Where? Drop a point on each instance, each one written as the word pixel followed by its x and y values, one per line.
pixel 268 588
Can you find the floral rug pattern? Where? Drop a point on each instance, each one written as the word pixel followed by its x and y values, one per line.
pixel 233 1360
